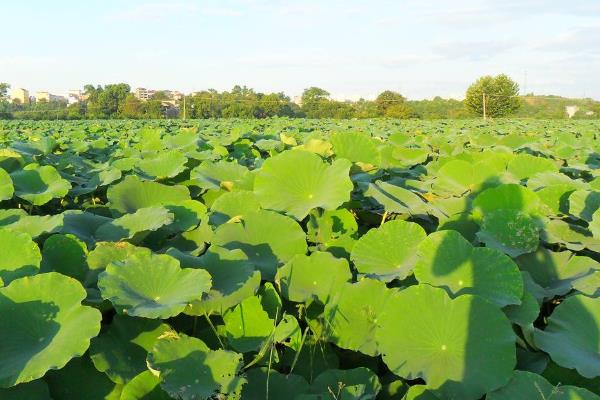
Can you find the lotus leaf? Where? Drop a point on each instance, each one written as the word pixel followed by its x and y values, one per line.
pixel 20 256
pixel 295 182
pixel 268 239
pixel 47 326
pixel 264 384
pixel 356 147
pixel 39 184
pixel 572 335
pixel 121 351
pixel 6 186
pixel 222 174
pixel 318 276
pixel 131 194
pixel 529 386
pixel 447 260
pixel 351 316
pixel 126 227
pixel 469 350
pixel 387 252
pixel 509 231
pixel 248 325
pixel 152 286
pixel 189 370
pixel 144 386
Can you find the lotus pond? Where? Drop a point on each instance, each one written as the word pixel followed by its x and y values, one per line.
pixel 300 260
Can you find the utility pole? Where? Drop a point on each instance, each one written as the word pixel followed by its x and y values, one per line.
pixel 184 106
pixel 484 107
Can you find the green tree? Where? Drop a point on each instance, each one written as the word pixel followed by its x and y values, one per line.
pixel 314 102
pixel 389 100
pixel 131 107
pixel 500 96
pixel 4 91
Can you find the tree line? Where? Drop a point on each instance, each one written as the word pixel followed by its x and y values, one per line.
pixel 499 95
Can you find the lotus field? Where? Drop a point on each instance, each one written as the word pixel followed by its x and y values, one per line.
pixel 300 260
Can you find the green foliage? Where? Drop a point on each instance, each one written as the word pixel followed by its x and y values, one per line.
pixel 187 259
pixel 500 93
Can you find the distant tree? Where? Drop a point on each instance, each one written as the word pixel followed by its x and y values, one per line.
pixel 76 110
pixel 315 102
pixel 389 99
pixel 131 107
pixel 500 96
pixel 4 91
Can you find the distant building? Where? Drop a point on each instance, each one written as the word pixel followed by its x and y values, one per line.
pixel 20 96
pixel 571 110
pixel 143 93
pixel 49 97
pixel 74 96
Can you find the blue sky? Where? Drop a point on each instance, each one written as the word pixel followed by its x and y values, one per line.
pixel 420 48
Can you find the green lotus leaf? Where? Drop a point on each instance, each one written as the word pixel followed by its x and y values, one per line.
pixel 222 174
pixel 233 279
pixel 469 350
pixel 144 386
pixel 362 382
pixel 396 199
pixel 572 335
pixel 545 179
pixel 20 256
pixel 554 199
pixel 187 215
pixel 233 205
pixel 120 352
pixel 6 186
pixel 312 358
pixel 265 384
pixel 268 239
pixel 67 255
pixel 584 204
pixel 126 227
pixel 105 253
pixel 387 252
pixel 410 156
pixel 47 326
pixel 525 313
pixel 558 376
pixel 317 146
pixel 37 390
pixel 318 276
pixel 325 226
pixel 82 224
pixel 529 386
pixel 458 177
pixel 248 325
pixel 509 231
pixel 573 237
pixel 525 165
pixel 559 272
pixel 10 160
pixel 131 194
pixel 351 316
pixel 355 147
pixel 295 182
pixel 34 225
pixel 152 286
pixel 509 196
pixel 189 370
pixel 39 184
pixel 595 224
pixel 165 164
pixel 449 261
pixel 420 392
pixel 80 380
